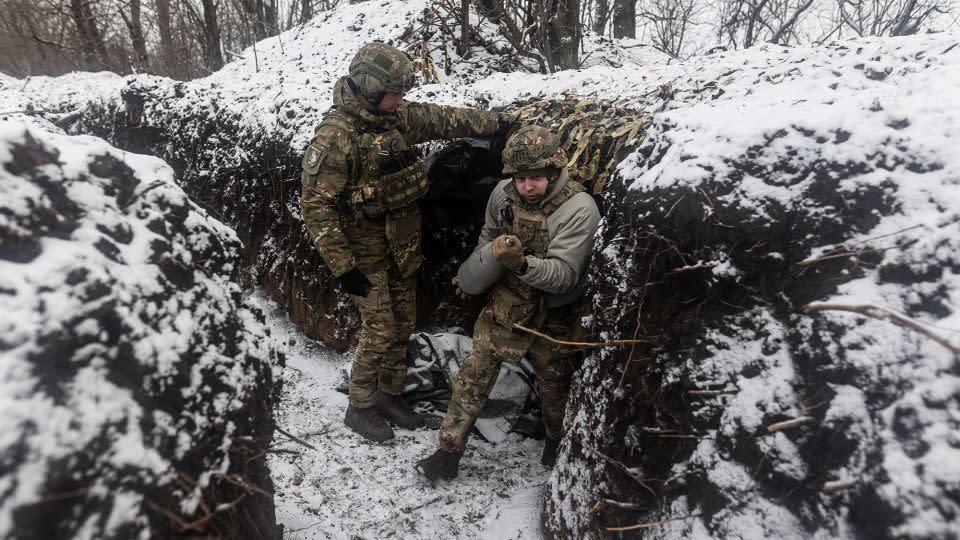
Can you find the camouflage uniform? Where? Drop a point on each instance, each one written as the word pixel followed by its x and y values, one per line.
pixel 361 182
pixel 557 233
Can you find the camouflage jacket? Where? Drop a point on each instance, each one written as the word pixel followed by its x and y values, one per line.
pixel 351 221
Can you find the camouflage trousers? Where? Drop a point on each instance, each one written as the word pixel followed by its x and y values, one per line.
pixel 553 364
pixel 388 314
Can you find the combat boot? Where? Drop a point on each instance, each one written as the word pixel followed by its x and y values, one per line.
pixel 549 457
pixel 368 423
pixel 397 412
pixel 440 464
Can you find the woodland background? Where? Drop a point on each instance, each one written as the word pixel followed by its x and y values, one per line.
pixel 185 39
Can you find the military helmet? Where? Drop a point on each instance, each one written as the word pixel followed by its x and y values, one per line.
pixel 378 68
pixel 533 148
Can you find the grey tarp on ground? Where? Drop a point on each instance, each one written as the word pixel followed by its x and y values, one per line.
pixel 433 360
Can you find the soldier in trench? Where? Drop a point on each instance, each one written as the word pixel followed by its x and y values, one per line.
pixel 540 226
pixel 361 185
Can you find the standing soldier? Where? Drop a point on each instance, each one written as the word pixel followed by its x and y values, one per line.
pixel 361 184
pixel 539 226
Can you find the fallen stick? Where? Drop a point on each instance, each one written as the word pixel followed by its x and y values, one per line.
pixel 651 524
pixel 608 343
pixel 296 439
pixel 626 470
pixel 885 314
pixel 709 392
pixel 837 485
pixel 788 424
pixel 698 266
pixel 282 451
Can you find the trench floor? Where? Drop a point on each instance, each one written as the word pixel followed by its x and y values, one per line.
pixel 350 488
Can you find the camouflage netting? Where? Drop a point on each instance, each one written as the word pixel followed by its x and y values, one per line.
pixel 596 135
pixel 136 384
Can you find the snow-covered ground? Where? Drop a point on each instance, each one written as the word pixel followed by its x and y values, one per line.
pixel 127 358
pixel 845 150
pixel 350 487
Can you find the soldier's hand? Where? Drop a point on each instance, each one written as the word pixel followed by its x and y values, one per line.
pixel 508 250
pixel 355 283
pixel 459 292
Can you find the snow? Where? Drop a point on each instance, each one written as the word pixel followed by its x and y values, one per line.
pixel 349 487
pixel 87 354
pixel 780 130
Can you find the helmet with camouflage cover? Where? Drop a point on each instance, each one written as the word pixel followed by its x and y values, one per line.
pixel 378 68
pixel 533 149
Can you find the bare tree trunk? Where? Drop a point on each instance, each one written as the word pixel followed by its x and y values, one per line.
pixel 211 36
pixel 269 23
pixel 601 14
pixel 491 9
pixel 306 10
pixel 136 33
pixel 563 34
pixel 463 48
pixel 901 25
pixel 166 36
pixel 755 18
pixel 625 18
pixel 91 41
pixel 787 27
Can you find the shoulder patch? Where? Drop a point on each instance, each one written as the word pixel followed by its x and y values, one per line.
pixel 313 158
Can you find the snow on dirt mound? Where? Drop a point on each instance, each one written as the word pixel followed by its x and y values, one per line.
pixel 135 384
pixel 742 414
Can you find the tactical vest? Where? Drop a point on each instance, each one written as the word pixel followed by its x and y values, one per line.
pixel 512 301
pixel 385 180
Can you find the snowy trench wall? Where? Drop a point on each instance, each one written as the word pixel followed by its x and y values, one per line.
pixel 738 414
pixel 769 180
pixel 136 391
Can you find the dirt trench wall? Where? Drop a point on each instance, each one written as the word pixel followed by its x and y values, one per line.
pixel 672 432
pixel 138 385
pixel 248 178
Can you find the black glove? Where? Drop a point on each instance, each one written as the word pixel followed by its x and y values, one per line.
pixel 355 283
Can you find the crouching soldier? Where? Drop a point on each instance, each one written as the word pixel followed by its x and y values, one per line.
pixel 539 226
pixel 361 186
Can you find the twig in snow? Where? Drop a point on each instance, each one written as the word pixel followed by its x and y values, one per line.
pixel 626 470
pixel 698 266
pixel 616 504
pixel 709 392
pixel 854 253
pixel 882 313
pixel 282 451
pixel 837 485
pixel 296 439
pixel 788 424
pixel 651 524
pixel 584 344
pixel 674 206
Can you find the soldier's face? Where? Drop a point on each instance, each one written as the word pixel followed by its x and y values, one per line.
pixel 390 102
pixel 531 188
